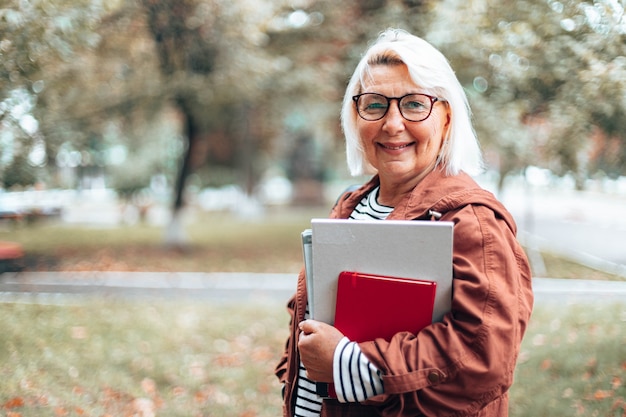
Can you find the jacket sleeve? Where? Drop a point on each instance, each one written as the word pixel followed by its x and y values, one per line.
pixel 457 366
pixel 281 367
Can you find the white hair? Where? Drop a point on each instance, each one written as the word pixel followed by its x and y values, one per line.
pixel 430 70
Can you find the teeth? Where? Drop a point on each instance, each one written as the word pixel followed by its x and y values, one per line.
pixel 395 148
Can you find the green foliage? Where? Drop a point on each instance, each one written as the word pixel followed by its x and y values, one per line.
pixel 546 76
pixel 35 33
pixel 20 173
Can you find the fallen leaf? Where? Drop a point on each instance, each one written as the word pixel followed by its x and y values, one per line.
pixel 159 402
pixel 148 385
pixel 262 354
pixel 619 403
pixel 616 382
pixel 201 397
pixel 228 360
pixel 602 394
pixel 60 412
pixel 15 402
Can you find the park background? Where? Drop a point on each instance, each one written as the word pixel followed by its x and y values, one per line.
pixel 202 136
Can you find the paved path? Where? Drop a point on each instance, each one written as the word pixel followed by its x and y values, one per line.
pixel 46 287
pixel 59 287
pixel 587 226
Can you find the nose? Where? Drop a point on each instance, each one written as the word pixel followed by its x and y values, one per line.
pixel 394 121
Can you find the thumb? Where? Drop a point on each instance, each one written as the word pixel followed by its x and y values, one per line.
pixel 308 326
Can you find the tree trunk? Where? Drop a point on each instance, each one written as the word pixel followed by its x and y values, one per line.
pixel 175 235
pixel 181 50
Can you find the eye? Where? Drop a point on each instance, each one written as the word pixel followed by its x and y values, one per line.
pixel 372 102
pixel 375 105
pixel 415 103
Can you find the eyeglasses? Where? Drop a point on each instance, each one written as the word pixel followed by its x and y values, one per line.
pixel 413 107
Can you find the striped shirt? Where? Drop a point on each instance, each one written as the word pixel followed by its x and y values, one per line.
pixel 369 209
pixel 355 377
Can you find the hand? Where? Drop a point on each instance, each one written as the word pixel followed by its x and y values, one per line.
pixel 317 345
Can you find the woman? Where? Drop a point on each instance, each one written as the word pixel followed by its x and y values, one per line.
pixel 407 122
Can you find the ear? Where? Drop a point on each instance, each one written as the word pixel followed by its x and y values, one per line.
pixel 445 139
pixel 446 130
pixel 448 120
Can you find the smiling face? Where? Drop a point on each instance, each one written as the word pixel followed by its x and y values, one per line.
pixel 403 152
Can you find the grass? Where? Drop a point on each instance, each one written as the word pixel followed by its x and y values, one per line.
pixel 104 358
pixel 114 359
pixel 219 242
pixel 573 363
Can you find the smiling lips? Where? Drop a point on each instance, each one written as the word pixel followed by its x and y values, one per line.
pixel 396 147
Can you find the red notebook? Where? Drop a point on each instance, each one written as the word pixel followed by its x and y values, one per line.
pixel 372 306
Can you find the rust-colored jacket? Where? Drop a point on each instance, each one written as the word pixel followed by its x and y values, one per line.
pixel 462 366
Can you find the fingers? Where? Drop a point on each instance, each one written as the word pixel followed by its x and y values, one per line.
pixel 308 326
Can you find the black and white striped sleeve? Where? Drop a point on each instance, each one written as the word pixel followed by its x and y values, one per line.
pixel 355 377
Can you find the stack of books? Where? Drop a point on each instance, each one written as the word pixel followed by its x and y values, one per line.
pixel 378 270
pixel 374 279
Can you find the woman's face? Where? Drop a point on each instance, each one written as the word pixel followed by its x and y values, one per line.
pixel 399 149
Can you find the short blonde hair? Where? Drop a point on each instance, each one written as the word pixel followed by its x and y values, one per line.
pixel 430 70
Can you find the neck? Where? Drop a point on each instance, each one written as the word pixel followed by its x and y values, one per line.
pixel 393 191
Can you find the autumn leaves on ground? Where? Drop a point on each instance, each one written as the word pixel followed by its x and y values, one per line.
pixel 106 358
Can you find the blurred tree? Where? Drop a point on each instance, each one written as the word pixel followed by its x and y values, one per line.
pixel 19 173
pixel 235 76
pixel 143 58
pixel 319 43
pixel 544 77
pixel 32 35
pixel 212 59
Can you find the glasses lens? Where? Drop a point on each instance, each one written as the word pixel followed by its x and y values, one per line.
pixel 416 107
pixel 372 106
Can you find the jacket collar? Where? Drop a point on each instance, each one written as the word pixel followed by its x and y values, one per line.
pixel 437 192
